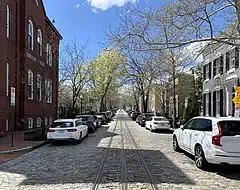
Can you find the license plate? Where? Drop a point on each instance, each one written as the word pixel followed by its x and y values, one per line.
pixel 61 131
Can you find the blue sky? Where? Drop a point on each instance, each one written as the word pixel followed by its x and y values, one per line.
pixel 84 20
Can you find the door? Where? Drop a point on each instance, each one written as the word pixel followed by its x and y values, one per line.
pixel 186 134
pixel 202 132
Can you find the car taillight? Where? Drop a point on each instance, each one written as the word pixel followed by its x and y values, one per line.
pixel 216 138
pixel 50 130
pixel 72 130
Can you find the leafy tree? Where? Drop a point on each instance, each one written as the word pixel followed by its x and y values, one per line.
pixel 106 72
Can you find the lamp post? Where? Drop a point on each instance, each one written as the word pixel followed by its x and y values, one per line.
pixel 81 98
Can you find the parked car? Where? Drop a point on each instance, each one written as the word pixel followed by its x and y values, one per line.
pixel 101 119
pixel 144 117
pixel 210 139
pixel 90 121
pixel 135 115
pixel 138 118
pixel 157 122
pixel 67 129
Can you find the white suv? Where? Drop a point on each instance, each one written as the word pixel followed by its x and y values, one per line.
pixel 210 140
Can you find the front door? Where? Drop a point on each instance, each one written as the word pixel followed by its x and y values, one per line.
pixel 187 132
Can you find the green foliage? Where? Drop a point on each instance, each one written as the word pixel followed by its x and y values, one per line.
pixel 106 72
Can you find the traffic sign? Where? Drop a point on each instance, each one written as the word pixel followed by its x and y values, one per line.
pixel 13 97
pixel 237 89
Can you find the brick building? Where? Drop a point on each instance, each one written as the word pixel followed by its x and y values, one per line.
pixel 29 53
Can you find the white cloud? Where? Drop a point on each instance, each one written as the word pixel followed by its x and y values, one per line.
pixel 106 4
pixel 78 5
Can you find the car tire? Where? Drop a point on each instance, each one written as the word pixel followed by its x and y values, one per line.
pixel 151 128
pixel 176 146
pixel 87 133
pixel 200 159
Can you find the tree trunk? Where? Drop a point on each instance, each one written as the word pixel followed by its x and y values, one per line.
pixel 174 98
pixel 102 104
pixel 146 102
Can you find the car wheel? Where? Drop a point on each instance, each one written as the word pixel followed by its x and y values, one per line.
pixel 151 128
pixel 175 144
pixel 200 159
pixel 87 133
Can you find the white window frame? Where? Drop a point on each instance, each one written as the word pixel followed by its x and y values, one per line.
pixel 30 33
pixel 30 123
pixel 232 59
pixel 39 121
pixel 7 78
pixel 48 91
pixel 39 86
pixel 39 41
pixel 30 83
pixel 50 56
pixel 8 22
pixel 46 121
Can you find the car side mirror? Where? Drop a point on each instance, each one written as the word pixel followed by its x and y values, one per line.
pixel 182 127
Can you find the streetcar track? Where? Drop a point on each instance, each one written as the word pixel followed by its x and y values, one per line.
pixel 99 173
pixel 124 184
pixel 149 175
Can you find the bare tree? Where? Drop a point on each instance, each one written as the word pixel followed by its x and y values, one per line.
pixel 74 69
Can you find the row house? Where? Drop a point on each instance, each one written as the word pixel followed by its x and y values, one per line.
pixel 29 55
pixel 221 76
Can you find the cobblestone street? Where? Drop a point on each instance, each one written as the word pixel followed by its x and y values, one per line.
pixel 122 155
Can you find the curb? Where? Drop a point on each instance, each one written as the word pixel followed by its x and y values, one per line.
pixel 26 149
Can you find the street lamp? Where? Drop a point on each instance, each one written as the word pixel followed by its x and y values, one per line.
pixel 81 98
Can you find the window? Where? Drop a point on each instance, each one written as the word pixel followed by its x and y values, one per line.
pixel 46 121
pixel 8 22
pixel 230 128
pixel 50 120
pixel 232 59
pixel 50 56
pixel 207 104
pixel 39 87
pixel 204 125
pixel 218 66
pixel 39 41
pixel 48 91
pixel 7 125
pixel 7 79
pixel 190 124
pixel 217 103
pixel 39 122
pixel 30 84
pixel 30 35
pixel 63 124
pixel 47 53
pixel 233 105
pixel 30 123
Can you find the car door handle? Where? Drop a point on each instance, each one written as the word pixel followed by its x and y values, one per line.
pixel 196 134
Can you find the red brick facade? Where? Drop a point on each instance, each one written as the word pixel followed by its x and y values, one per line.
pixel 17 57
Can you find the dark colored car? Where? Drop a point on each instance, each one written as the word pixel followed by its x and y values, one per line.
pixel 101 119
pixel 144 118
pixel 135 115
pixel 90 121
pixel 104 114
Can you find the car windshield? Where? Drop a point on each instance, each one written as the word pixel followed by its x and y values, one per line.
pixel 62 124
pixel 230 128
pixel 83 118
pixel 160 119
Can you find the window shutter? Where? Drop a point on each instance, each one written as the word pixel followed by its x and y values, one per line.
pixel 204 72
pixel 214 103
pixel 214 67
pixel 221 65
pixel 210 104
pixel 210 70
pixel 204 104
pixel 221 102
pixel 227 61
pixel 236 57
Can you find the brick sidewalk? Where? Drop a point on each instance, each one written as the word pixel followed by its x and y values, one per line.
pixel 18 143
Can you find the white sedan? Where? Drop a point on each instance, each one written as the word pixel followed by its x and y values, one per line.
pixel 67 129
pixel 157 122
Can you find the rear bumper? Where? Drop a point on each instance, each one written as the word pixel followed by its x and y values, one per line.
pixel 62 139
pixel 67 137
pixel 221 157
pixel 155 127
